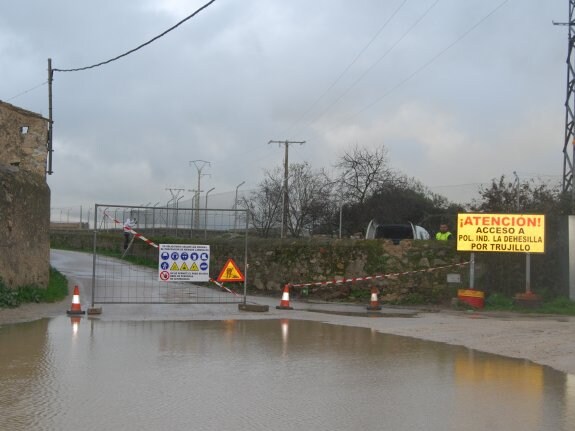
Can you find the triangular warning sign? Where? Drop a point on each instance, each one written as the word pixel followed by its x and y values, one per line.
pixel 194 267
pixel 230 272
pixel 184 267
pixel 174 267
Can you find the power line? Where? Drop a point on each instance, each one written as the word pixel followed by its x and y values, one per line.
pixel 432 60
pixel 369 69
pixel 346 69
pixel 28 91
pixel 138 47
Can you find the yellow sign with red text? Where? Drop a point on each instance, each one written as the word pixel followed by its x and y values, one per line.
pixel 516 233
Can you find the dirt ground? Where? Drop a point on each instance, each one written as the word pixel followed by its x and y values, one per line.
pixel 29 312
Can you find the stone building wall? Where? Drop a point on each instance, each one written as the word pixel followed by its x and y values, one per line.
pixel 23 139
pixel 24 198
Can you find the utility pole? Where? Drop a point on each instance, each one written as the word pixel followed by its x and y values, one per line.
pixel 50 121
pixel 206 213
pixel 175 195
pixel 569 153
pixel 236 206
pixel 174 192
pixel 285 205
pixel 200 165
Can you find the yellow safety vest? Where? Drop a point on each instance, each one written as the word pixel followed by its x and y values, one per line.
pixel 442 236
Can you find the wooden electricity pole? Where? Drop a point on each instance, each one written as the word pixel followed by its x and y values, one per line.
pixel 285 206
pixel 50 120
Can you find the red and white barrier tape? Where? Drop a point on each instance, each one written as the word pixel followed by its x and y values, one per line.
pixel 374 277
pixel 223 287
pixel 132 231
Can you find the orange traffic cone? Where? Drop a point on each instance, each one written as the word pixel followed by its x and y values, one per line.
pixel 374 302
pixel 76 307
pixel 284 303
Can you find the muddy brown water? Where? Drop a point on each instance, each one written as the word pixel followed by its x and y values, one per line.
pixel 57 374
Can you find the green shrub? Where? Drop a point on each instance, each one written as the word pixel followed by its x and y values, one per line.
pixel 56 291
pixel 8 297
pixel 27 294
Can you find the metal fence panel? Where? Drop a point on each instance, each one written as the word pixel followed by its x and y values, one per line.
pixel 120 275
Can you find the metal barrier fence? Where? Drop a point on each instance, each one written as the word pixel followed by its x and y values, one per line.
pixel 184 277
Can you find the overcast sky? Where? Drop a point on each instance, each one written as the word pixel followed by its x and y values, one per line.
pixel 459 92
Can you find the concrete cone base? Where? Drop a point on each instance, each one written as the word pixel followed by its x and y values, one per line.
pixel 253 307
pixel 94 310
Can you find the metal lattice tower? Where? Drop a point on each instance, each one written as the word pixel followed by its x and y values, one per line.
pixel 569 150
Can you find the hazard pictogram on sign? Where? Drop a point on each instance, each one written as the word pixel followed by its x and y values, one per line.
pixel 230 272
pixel 194 267
pixel 174 267
pixel 184 267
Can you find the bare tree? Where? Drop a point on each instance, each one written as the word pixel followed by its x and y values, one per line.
pixel 264 204
pixel 364 172
pixel 310 199
pixel 312 203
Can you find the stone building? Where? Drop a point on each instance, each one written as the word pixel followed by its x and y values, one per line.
pixel 24 198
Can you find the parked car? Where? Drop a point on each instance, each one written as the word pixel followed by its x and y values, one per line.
pixel 395 232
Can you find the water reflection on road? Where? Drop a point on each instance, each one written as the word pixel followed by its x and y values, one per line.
pixel 62 374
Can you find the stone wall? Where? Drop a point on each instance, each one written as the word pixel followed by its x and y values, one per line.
pixel 24 228
pixel 273 263
pixel 24 198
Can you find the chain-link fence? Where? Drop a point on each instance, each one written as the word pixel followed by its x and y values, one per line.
pixel 154 213
pixel 129 268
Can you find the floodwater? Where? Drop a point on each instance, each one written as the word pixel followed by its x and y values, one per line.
pixel 88 374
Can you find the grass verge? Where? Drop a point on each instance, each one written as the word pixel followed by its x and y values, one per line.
pixel 56 291
pixel 558 305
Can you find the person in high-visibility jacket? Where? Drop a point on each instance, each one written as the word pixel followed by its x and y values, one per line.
pixel 443 234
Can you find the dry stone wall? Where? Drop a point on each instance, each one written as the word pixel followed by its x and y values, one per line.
pixel 273 263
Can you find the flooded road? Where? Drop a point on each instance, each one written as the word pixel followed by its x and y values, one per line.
pixel 274 374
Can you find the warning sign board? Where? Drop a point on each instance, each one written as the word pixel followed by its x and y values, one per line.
pixel 184 262
pixel 518 233
pixel 230 273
